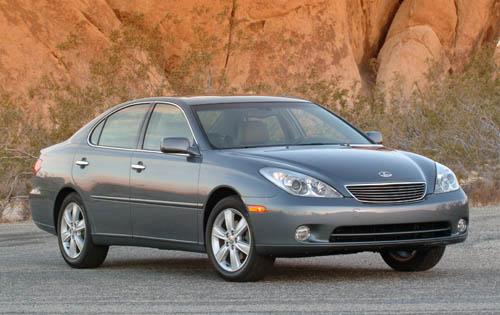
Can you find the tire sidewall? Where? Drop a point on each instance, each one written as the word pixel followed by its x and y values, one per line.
pixel 235 203
pixel 74 262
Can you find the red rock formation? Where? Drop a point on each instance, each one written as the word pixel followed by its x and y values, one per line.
pixel 277 44
pixel 428 31
pixel 31 33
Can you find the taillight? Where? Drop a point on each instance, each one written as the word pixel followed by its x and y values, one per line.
pixel 37 166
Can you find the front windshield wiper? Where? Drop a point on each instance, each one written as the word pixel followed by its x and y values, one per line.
pixel 320 143
pixel 287 145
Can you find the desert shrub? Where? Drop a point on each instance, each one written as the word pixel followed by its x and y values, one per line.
pixel 192 74
pixel 21 138
pixel 456 121
pixel 131 67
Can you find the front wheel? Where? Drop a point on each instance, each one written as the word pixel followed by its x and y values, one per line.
pixel 413 260
pixel 230 243
pixel 75 239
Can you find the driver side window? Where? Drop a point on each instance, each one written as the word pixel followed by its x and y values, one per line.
pixel 166 121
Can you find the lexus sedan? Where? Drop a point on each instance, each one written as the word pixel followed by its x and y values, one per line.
pixel 246 180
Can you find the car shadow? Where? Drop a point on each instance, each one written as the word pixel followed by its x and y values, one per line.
pixel 283 270
pixel 166 264
pixel 286 272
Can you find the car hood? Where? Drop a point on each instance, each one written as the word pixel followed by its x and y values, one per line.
pixel 345 165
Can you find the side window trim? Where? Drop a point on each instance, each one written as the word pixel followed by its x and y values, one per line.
pixel 95 129
pixel 144 124
pixel 100 131
pixel 144 127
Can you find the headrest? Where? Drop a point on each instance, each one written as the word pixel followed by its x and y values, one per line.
pixel 253 132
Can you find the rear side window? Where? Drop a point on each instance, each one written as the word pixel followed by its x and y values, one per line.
pixel 121 129
pixel 166 121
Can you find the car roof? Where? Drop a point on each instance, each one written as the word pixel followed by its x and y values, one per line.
pixel 203 100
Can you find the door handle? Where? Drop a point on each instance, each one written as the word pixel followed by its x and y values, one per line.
pixel 82 163
pixel 138 167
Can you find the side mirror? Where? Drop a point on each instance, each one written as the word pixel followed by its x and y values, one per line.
pixel 178 146
pixel 375 136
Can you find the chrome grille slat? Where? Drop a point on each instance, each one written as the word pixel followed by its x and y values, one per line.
pixel 387 190
pixel 392 199
pixel 390 192
pixel 382 186
pixel 378 189
pixel 387 193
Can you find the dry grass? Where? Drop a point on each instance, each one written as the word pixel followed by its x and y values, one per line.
pixel 483 193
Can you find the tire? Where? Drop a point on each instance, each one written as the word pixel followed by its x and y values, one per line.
pixel 416 260
pixel 252 267
pixel 77 249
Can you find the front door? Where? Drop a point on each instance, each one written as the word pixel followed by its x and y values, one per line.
pixel 164 187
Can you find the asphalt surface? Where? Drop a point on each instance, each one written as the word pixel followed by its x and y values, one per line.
pixel 35 279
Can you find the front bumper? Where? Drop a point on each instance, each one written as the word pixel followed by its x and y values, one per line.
pixel 274 230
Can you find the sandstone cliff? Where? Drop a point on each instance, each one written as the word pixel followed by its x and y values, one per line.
pixel 275 44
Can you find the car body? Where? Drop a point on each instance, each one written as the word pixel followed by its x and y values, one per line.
pixel 135 194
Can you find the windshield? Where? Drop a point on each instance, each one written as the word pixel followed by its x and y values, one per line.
pixel 246 125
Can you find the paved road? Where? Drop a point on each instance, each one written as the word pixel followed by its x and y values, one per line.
pixel 34 278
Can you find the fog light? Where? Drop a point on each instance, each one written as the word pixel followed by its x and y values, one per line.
pixel 302 233
pixel 462 226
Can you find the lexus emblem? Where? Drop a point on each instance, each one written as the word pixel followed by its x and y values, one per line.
pixel 384 174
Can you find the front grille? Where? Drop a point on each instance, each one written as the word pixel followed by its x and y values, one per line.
pixel 388 193
pixel 390 232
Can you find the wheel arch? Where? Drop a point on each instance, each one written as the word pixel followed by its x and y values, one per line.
pixel 216 195
pixel 61 195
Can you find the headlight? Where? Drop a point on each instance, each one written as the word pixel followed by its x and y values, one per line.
pixel 299 184
pixel 445 180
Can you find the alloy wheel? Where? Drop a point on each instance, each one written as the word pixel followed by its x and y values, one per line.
pixel 73 230
pixel 231 240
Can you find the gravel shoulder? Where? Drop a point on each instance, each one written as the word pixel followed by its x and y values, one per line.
pixel 34 278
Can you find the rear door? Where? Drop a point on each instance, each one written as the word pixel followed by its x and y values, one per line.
pixel 164 194
pixel 102 170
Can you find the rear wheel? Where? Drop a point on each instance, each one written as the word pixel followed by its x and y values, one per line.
pixel 230 243
pixel 413 260
pixel 74 237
